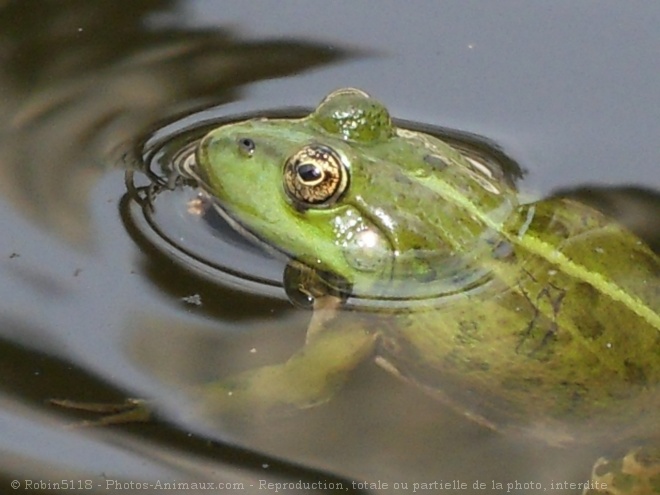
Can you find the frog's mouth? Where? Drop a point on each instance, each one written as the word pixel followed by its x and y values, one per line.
pixel 244 231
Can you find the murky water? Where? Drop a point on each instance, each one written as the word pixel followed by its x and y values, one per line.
pixel 95 309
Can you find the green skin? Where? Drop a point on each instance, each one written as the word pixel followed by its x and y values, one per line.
pixel 539 317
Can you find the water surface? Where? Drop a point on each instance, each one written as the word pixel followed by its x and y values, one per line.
pixel 91 311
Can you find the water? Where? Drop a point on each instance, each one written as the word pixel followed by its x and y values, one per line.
pixel 91 311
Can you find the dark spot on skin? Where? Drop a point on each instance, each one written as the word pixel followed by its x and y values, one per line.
pixel 504 252
pixel 402 179
pixel 635 373
pixel 541 332
pixel 590 328
pixel 435 162
pixel 468 332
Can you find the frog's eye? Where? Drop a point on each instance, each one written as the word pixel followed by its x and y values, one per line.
pixel 246 146
pixel 315 176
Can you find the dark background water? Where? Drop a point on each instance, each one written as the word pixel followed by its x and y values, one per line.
pixel 567 89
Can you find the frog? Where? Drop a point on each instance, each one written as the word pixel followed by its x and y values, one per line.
pixel 529 317
pixel 535 318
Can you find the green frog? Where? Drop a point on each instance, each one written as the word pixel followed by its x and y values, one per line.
pixel 538 318
pixel 528 318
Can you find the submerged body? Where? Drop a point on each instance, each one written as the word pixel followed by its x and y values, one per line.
pixel 539 317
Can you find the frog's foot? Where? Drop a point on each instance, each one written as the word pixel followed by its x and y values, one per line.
pixel 129 411
pixel 637 473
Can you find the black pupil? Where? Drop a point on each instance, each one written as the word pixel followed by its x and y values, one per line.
pixel 309 172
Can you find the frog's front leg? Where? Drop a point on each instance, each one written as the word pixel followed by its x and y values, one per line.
pixel 337 341
pixel 335 345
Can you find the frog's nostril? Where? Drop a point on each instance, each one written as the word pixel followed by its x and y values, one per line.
pixel 246 146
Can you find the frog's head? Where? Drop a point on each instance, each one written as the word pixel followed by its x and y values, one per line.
pixel 343 190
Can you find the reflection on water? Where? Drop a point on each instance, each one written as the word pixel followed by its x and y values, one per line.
pixel 80 81
pixel 90 77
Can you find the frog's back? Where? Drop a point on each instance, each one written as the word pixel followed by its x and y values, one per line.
pixel 542 342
